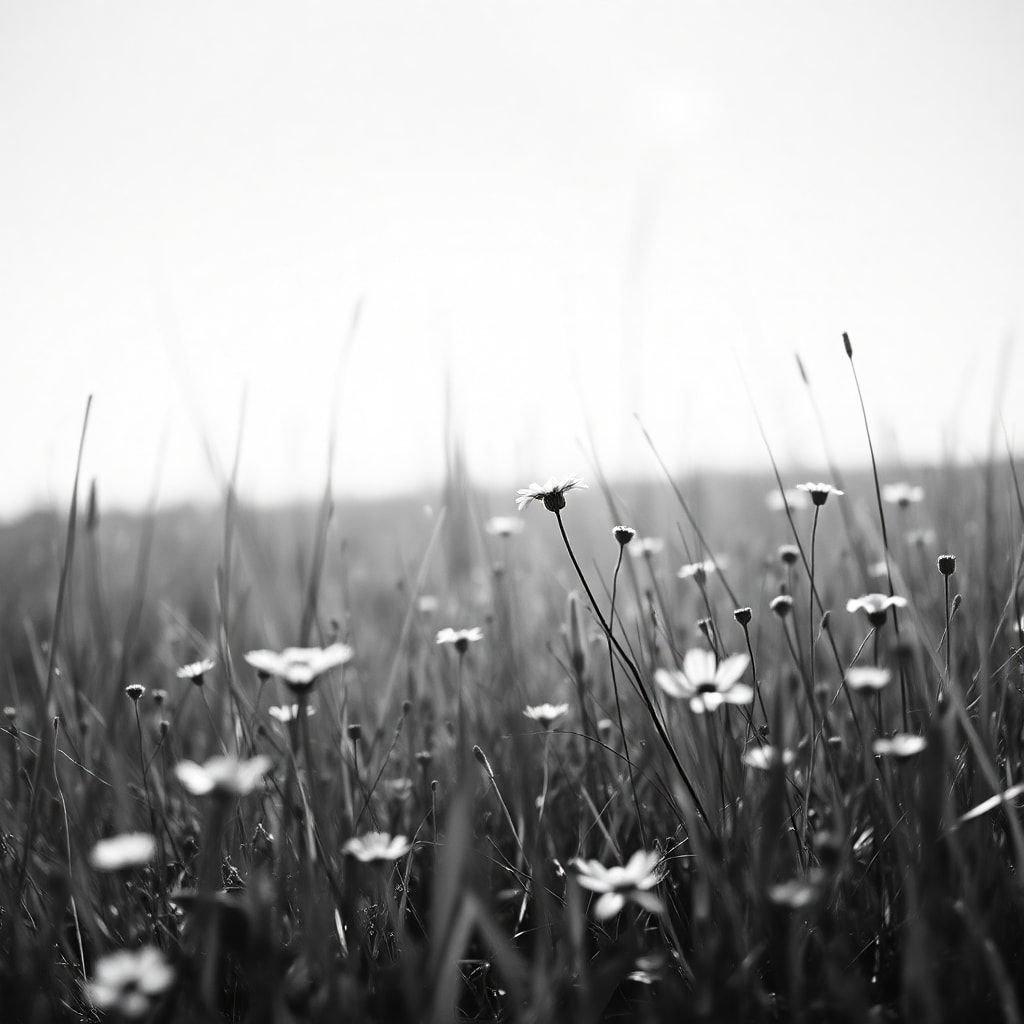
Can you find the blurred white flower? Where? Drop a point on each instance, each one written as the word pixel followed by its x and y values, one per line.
pixel 645 547
pixel 875 606
pixel 902 745
pixel 705 684
pixel 924 538
pixel 765 757
pixel 195 670
pixel 878 570
pixel 867 677
pixel 504 526
pixel 129 982
pixel 698 570
pixel 427 604
pixel 299 667
pixel 128 850
pixel 377 847
pixel 619 885
pixel 551 493
pixel 460 639
pixel 222 776
pixel 288 712
pixel 546 714
pixel 902 494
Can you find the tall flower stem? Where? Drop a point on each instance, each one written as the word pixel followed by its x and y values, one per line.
pixel 635 673
pixel 618 703
pixel 810 597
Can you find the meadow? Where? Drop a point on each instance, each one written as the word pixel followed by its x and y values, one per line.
pixel 699 748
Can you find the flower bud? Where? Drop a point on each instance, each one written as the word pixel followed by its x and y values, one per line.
pixel 623 534
pixel 743 616
pixel 947 564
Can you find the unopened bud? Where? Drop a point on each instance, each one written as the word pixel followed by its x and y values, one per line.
pixel 623 534
pixel 743 616
pixel 947 564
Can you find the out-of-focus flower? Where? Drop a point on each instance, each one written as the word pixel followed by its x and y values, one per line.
pixel 923 538
pixel 765 757
pixel 427 604
pixel 300 667
pixel 551 493
pixel 460 639
pixel 129 982
pixel 504 526
pixel 797 892
pixel 645 547
pixel 901 746
pixel 398 789
pixel 546 714
pixel 195 670
pixel 791 498
pixel 819 492
pixel 128 850
pixel 902 494
pixel 867 677
pixel 697 570
pixel 222 776
pixel 705 684
pixel 618 885
pixel 782 605
pixel 878 570
pixel 875 606
pixel 288 712
pixel 377 847
pixel 789 554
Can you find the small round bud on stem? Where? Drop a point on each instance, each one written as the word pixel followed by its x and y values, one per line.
pixel 707 627
pixel 135 691
pixel 165 728
pixel 947 564
pixel 743 616
pixel 355 732
pixel 847 345
pixel 623 534
pixel 782 605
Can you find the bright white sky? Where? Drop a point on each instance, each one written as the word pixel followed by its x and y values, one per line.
pixel 578 209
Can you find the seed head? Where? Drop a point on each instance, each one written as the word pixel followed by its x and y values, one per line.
pixel 623 535
pixel 947 564
pixel 135 691
pixel 743 616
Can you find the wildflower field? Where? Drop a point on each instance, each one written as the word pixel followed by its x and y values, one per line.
pixel 698 749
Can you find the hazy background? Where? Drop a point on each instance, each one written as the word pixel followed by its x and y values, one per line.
pixel 574 210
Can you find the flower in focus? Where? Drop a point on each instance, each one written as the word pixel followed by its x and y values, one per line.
pixel 644 547
pixel 195 670
pixel 551 493
pixel 128 850
pixel 288 712
pixel 504 526
pixel 902 494
pixel 299 667
pixel 546 714
pixel 619 885
pixel 765 757
pixel 377 847
pixel 697 570
pixel 901 746
pixel 875 606
pixel 790 498
pixel 460 639
pixel 819 492
pixel 867 677
pixel 623 534
pixel 129 982
pixel 222 776
pixel 705 684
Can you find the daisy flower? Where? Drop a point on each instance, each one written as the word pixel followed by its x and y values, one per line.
pixel 902 494
pixel 819 492
pixel 288 713
pixel 504 526
pixel 875 606
pixel 620 885
pixel 697 570
pixel 705 684
pixel 901 746
pixel 222 776
pixel 377 847
pixel 128 850
pixel 129 982
pixel 867 677
pixel 546 714
pixel 195 670
pixel 551 493
pixel 460 639
pixel 299 667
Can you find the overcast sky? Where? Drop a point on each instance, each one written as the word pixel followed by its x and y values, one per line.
pixel 578 211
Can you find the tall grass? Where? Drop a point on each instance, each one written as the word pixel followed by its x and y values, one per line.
pixel 820 852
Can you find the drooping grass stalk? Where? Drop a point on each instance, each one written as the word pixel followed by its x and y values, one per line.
pixel 635 673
